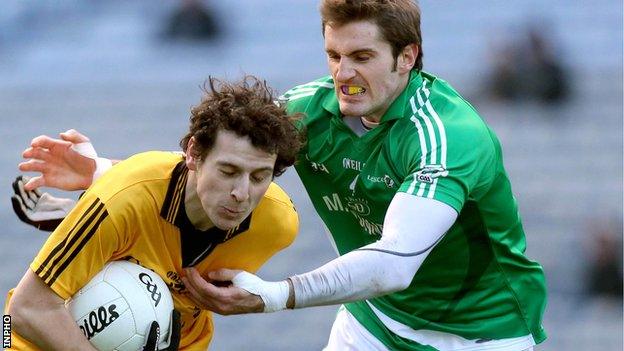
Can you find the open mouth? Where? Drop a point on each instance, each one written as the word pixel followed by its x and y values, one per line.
pixel 352 90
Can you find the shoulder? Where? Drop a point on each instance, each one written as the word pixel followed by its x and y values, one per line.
pixel 277 211
pixel 147 172
pixel 299 97
pixel 150 161
pixel 439 114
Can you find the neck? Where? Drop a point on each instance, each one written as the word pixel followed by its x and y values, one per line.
pixel 368 124
pixel 192 204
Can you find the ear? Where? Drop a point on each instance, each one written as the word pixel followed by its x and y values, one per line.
pixel 407 58
pixel 191 162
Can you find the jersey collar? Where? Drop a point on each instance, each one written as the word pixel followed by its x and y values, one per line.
pixel 396 109
pixel 174 199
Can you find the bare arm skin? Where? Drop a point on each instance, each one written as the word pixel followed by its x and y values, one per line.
pixel 40 316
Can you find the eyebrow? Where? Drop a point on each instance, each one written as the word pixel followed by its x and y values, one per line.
pixel 355 52
pixel 232 165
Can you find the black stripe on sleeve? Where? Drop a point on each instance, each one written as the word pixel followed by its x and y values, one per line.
pixel 82 243
pixel 74 237
pixel 169 208
pixel 63 243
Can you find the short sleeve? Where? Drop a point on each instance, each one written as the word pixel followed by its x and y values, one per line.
pixel 79 247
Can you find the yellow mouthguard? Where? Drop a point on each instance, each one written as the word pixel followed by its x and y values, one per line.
pixel 352 90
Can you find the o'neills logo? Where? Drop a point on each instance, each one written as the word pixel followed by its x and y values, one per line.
pixel 98 320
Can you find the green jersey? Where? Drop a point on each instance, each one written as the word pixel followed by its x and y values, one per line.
pixel 476 283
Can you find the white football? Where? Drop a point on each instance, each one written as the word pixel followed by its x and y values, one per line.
pixel 117 307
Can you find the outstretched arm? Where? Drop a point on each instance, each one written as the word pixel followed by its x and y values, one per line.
pixel 412 228
pixel 68 163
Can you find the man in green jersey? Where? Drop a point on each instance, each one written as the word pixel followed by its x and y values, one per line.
pixel 410 182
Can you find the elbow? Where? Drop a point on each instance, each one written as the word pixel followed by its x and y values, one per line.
pixel 398 280
pixel 402 283
pixel 388 286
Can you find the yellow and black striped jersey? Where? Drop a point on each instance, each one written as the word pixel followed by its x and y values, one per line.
pixel 136 212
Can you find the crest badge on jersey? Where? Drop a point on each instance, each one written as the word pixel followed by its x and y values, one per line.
pixel 430 172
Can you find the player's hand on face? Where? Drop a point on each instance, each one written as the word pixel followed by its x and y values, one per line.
pixel 67 163
pixel 217 294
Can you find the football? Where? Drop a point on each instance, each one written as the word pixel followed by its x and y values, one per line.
pixel 117 307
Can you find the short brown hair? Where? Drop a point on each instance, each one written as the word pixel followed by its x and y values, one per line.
pixel 247 109
pixel 398 20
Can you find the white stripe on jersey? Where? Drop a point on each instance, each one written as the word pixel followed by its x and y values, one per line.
pixel 424 103
pixel 299 96
pixel 450 342
pixel 423 149
pixel 442 132
pixel 433 153
pixel 304 90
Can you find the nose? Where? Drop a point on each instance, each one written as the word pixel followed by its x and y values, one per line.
pixel 344 70
pixel 240 191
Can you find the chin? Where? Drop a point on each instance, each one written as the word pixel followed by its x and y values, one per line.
pixel 353 110
pixel 227 224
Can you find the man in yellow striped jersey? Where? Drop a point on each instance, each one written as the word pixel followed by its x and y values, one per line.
pixel 215 207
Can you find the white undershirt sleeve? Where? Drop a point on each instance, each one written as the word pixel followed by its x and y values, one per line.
pixel 412 227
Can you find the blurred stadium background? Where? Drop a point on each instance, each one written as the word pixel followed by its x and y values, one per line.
pixel 122 74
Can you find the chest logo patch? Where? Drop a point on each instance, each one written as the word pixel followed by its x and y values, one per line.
pixel 386 179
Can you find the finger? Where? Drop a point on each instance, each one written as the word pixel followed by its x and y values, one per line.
pixel 29 152
pixel 189 285
pixel 200 288
pixel 32 165
pixel 21 182
pixel 194 294
pixel 16 184
pixel 46 142
pixel 195 281
pixel 20 209
pixel 34 183
pixel 199 283
pixel 152 337
pixel 74 136
pixel 18 188
pixel 38 153
pixel 174 331
pixel 223 274
pixel 29 199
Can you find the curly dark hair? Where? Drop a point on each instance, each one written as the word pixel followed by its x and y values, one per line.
pixel 398 20
pixel 246 108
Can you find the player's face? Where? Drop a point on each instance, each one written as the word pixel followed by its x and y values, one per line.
pixel 232 179
pixel 363 68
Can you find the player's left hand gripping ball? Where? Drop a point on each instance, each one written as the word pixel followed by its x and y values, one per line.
pixel 174 336
pixel 40 210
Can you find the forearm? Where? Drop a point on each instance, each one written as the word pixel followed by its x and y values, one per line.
pixel 355 276
pixel 412 228
pixel 40 316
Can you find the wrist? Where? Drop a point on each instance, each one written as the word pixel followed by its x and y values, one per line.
pixel 274 295
pixel 290 302
pixel 101 166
